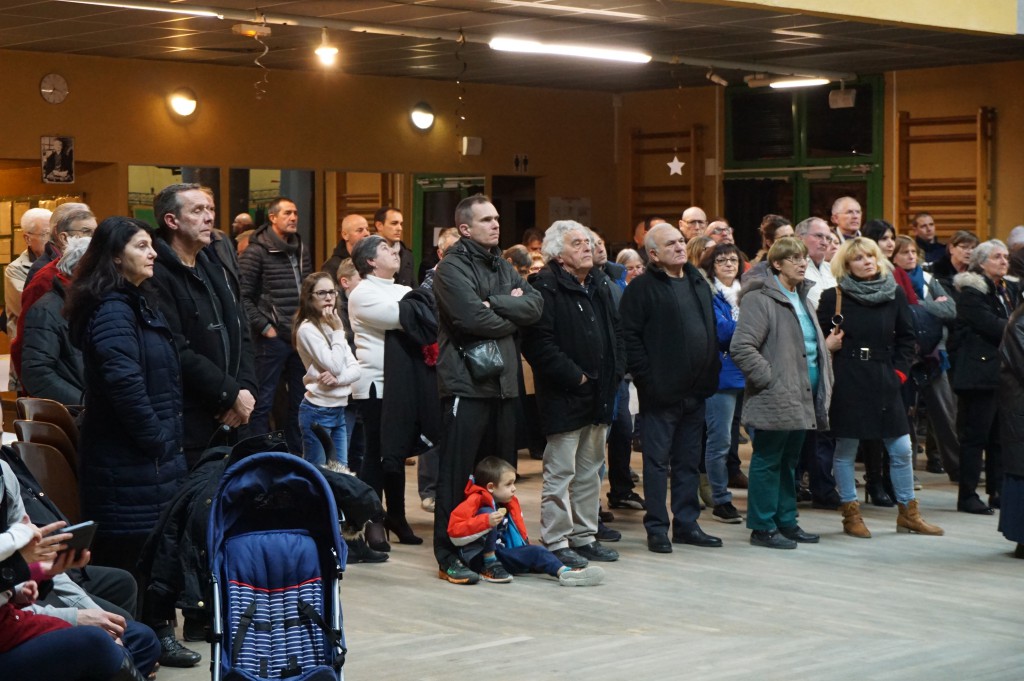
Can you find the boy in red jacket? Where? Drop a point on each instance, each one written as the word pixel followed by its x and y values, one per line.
pixel 489 530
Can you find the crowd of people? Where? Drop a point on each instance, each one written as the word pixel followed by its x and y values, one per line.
pixel 825 347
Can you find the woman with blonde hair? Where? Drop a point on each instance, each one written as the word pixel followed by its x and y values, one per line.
pixel 874 361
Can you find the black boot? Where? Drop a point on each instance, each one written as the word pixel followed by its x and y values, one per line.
pixel 172 652
pixel 376 536
pixel 401 529
pixel 360 552
pixel 875 494
pixel 127 672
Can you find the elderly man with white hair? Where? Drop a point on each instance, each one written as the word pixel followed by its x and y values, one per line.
pixel 35 228
pixel 578 359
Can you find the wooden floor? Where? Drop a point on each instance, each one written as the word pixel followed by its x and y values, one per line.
pixel 897 607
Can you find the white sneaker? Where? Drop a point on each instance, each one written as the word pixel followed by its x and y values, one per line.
pixel 591 575
pixel 428 505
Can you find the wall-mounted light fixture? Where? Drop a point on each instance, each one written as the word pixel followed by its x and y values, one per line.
pixel 422 116
pixel 327 52
pixel 182 102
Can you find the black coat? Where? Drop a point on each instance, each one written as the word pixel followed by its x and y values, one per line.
pixel 578 335
pixel 467 277
pixel 270 281
pixel 51 366
pixel 652 328
pixel 415 409
pixel 1011 394
pixel 131 454
pixel 331 265
pixel 211 334
pixel 866 396
pixel 980 322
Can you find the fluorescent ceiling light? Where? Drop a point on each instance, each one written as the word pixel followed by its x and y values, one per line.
pixel 565 9
pixel 785 83
pixel 151 7
pixel 535 47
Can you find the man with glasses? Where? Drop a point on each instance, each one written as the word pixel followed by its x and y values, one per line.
pixel 720 231
pixel 815 234
pixel 69 221
pixel 35 227
pixel 693 223
pixel 847 217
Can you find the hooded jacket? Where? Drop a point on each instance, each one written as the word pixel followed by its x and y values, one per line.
pixel 467 525
pixel 978 330
pixel 271 277
pixel 131 451
pixel 467 277
pixel 768 347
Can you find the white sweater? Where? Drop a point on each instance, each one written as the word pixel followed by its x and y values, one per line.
pixel 318 354
pixel 373 310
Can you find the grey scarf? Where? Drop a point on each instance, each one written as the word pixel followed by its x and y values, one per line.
pixel 870 291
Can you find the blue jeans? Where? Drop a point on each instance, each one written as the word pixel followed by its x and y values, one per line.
pixel 331 419
pixel 718 412
pixel 900 470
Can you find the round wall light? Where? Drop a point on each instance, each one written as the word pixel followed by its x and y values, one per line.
pixel 182 102
pixel 422 116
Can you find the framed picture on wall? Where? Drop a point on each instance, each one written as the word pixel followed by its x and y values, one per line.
pixel 58 159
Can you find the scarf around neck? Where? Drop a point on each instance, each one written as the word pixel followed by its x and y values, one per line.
pixel 871 291
pixel 731 295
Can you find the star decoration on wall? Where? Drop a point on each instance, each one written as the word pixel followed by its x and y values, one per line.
pixel 675 166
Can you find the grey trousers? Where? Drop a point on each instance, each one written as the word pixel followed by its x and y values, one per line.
pixel 570 494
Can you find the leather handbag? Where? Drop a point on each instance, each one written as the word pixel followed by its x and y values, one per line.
pixel 483 359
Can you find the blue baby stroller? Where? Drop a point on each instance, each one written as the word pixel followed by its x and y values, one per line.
pixel 276 560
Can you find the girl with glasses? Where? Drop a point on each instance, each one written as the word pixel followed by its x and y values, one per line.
pixel 331 368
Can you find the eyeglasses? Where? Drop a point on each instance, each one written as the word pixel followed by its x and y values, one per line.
pixel 722 230
pixel 80 230
pixel 40 235
pixel 796 260
pixel 727 260
pixel 324 295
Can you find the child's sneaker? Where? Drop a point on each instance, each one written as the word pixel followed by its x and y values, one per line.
pixel 495 572
pixel 588 576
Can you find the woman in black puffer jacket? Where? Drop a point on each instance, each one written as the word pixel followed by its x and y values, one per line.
pixel 131 452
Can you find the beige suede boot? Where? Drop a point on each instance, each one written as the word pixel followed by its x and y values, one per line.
pixel 853 523
pixel 910 520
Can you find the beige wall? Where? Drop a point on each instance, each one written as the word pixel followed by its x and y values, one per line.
pixel 322 121
pixel 960 91
pixel 577 141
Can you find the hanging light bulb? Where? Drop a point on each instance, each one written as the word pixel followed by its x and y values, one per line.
pixel 326 52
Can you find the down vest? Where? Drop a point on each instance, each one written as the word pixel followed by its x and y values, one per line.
pixel 768 347
pixel 467 277
pixel 131 453
pixel 271 277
